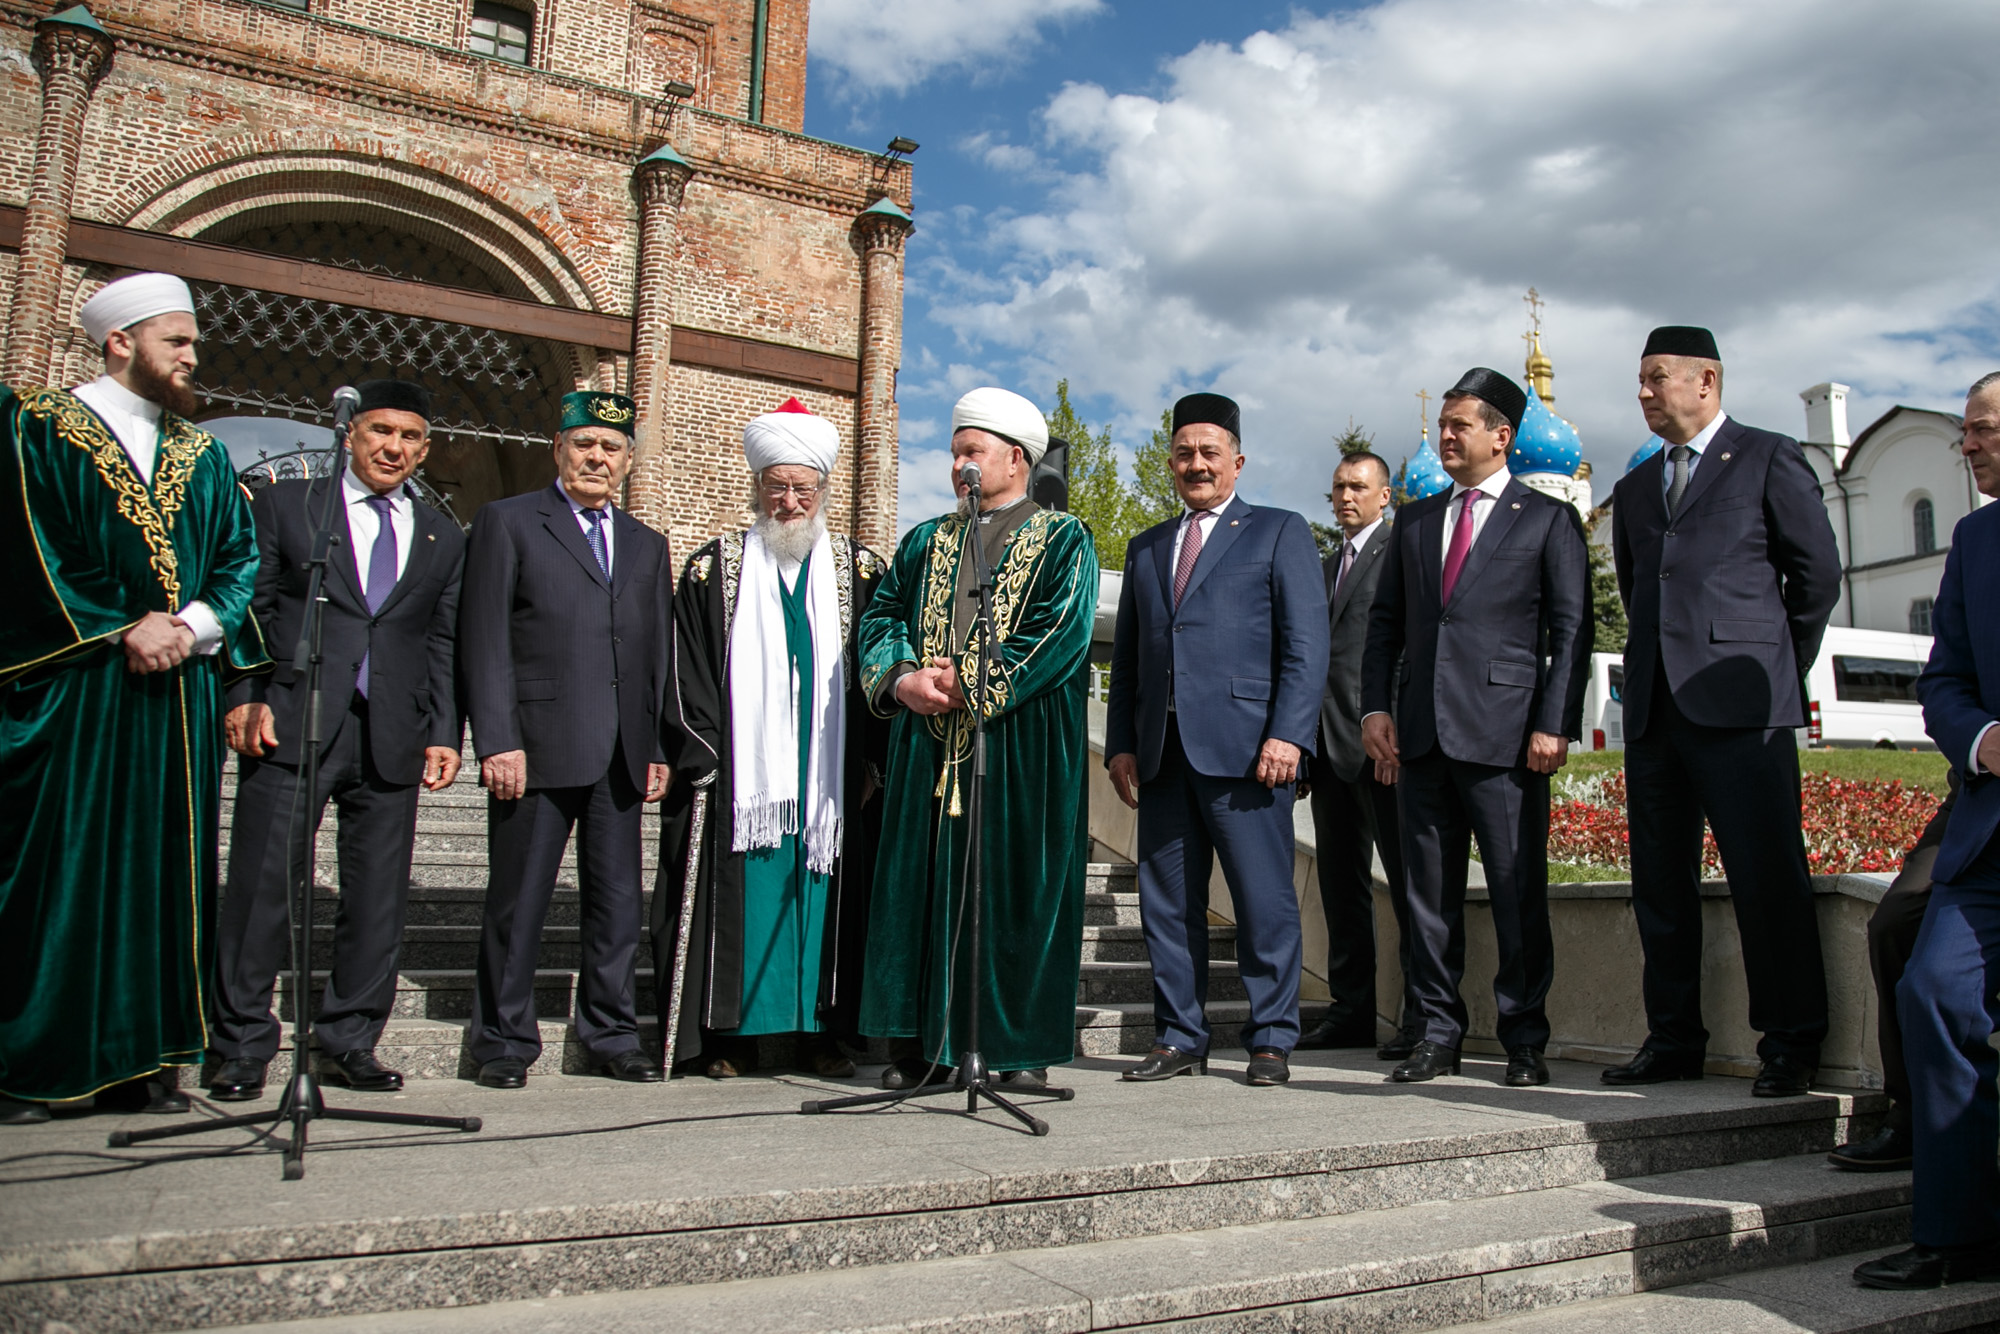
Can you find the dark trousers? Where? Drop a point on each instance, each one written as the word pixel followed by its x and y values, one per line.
pixel 1187 820
pixel 1946 1000
pixel 1892 938
pixel 1351 822
pixel 525 841
pixel 1746 782
pixel 1445 804
pixel 378 824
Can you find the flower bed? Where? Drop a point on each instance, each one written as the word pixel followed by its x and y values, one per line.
pixel 1850 825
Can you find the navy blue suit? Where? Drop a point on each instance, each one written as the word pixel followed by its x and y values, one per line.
pixel 1727 603
pixel 1507 656
pixel 1244 660
pixel 1946 995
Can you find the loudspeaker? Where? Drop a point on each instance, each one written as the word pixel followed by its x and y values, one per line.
pixel 1048 484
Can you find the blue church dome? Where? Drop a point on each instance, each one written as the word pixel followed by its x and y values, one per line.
pixel 1652 446
pixel 1545 442
pixel 1424 474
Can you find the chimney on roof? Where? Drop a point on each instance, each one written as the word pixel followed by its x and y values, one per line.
pixel 1826 419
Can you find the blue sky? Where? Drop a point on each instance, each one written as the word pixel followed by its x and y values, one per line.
pixel 1321 210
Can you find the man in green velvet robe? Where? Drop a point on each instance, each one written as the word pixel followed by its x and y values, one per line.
pixel 917 641
pixel 761 931
pixel 130 559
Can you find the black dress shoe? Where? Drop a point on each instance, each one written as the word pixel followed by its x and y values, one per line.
pixel 1268 1066
pixel 1526 1069
pixel 1783 1077
pixel 1330 1033
pixel 1024 1079
pixel 910 1072
pixel 1428 1061
pixel 19 1112
pixel 1165 1063
pixel 634 1068
pixel 360 1071
pixel 1399 1047
pixel 1923 1267
pixel 1887 1150
pixel 157 1094
pixel 1654 1067
pixel 504 1072
pixel 238 1079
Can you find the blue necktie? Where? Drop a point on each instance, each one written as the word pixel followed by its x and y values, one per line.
pixel 381 574
pixel 594 530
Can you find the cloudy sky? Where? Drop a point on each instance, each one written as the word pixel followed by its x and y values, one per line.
pixel 1320 210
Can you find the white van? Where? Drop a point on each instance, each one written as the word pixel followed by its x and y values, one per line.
pixel 1604 703
pixel 1862 690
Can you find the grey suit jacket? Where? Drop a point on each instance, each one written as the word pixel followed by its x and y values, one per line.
pixel 1347 621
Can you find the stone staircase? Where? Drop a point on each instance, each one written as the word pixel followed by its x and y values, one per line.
pixel 425 1036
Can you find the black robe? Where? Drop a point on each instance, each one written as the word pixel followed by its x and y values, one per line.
pixel 710 968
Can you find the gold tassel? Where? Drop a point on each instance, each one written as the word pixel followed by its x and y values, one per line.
pixel 956 811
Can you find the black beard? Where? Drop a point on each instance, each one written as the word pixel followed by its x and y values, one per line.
pixel 164 390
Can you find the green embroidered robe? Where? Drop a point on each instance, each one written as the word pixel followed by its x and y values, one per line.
pixel 109 780
pixel 1036 834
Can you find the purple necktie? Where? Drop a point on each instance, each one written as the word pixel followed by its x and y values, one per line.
pixel 1461 542
pixel 381 574
pixel 1190 553
pixel 1347 554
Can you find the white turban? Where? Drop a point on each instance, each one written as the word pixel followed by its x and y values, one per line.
pixel 124 303
pixel 1004 413
pixel 793 434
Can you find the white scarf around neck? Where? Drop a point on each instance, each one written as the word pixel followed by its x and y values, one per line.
pixel 764 712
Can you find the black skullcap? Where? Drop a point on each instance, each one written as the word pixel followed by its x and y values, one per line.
pixel 1681 340
pixel 1210 410
pixel 1492 387
pixel 398 394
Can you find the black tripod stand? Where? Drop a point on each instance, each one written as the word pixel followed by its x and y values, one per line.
pixel 973 1079
pixel 301 1102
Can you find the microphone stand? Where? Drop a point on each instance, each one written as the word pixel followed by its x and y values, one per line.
pixel 973 1079
pixel 301 1103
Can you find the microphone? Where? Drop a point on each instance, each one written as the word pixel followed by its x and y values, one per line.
pixel 970 475
pixel 346 402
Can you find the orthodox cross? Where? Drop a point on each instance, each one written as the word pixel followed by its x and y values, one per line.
pixel 1424 411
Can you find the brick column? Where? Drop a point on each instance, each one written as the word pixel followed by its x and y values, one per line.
pixel 72 53
pixel 661 179
pixel 882 229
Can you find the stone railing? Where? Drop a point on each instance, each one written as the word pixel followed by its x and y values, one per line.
pixel 1595 1007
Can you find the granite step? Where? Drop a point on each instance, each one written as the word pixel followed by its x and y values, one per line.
pixel 1548 1255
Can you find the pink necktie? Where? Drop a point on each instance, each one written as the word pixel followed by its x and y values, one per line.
pixel 1190 553
pixel 1461 542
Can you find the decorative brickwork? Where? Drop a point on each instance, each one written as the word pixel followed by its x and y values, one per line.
pixel 881 234
pixel 248 124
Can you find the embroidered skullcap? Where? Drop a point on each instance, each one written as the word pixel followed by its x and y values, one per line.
pixel 401 395
pixel 1681 340
pixel 1007 415
pixel 1489 386
pixel 1209 410
pixel 592 407
pixel 124 303
pixel 794 434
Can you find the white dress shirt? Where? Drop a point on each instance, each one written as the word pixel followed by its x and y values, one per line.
pixel 1207 522
pixel 583 525
pixel 135 423
pixel 364 524
pixel 1490 486
pixel 1698 444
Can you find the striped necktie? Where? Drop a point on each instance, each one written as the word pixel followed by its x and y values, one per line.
pixel 1190 553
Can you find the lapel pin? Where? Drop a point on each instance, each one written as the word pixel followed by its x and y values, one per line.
pixel 1725 458
pixel 1517 504
pixel 430 537
pixel 1232 523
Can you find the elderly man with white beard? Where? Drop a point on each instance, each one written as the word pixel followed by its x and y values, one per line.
pixel 761 914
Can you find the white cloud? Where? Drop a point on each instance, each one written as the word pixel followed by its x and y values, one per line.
pixel 923 486
pixel 1325 219
pixel 893 45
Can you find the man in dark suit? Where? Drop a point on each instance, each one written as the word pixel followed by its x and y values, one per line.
pixel 1217 666
pixel 1485 602
pixel 1353 814
pixel 389 723
pixel 1728 568
pixel 1946 995
pixel 566 636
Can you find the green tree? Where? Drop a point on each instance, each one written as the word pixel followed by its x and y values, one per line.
pixel 1097 494
pixel 1353 440
pixel 1153 480
pixel 1607 609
